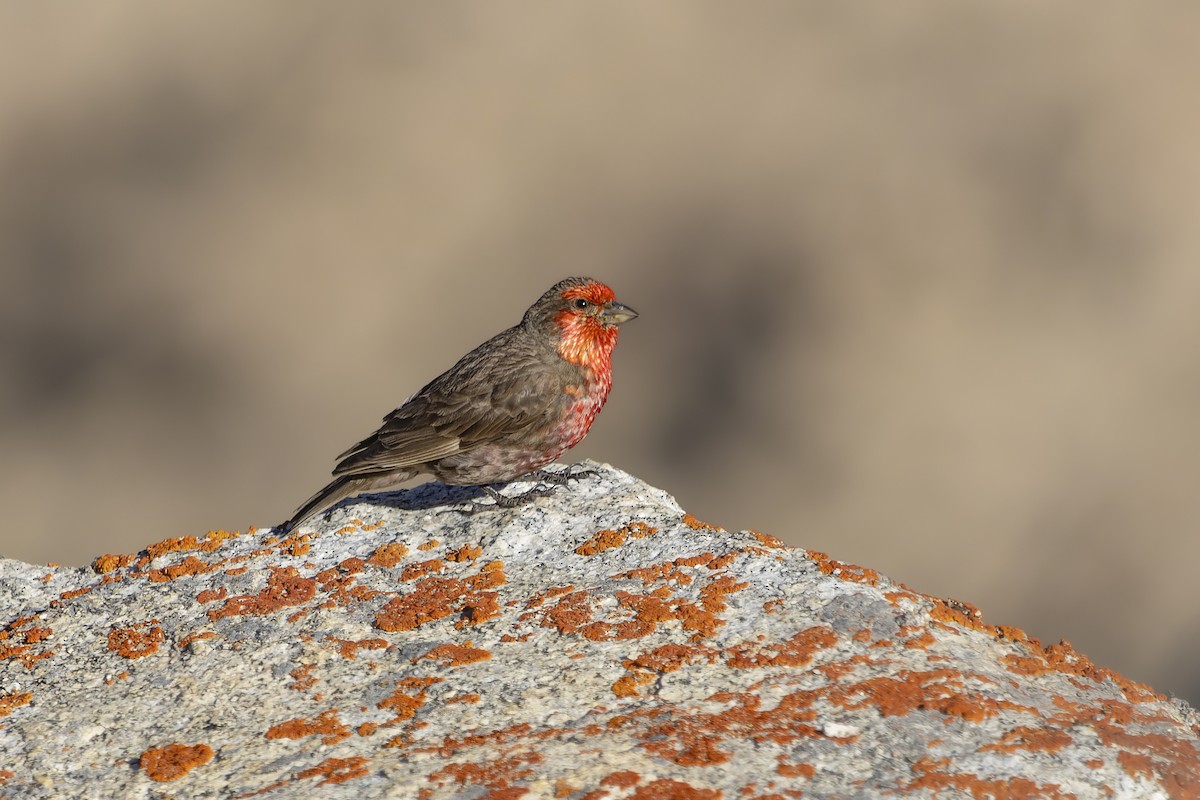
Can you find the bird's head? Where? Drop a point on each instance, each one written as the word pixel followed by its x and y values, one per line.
pixel 583 314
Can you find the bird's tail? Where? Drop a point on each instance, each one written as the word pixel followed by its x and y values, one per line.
pixel 342 487
pixel 337 490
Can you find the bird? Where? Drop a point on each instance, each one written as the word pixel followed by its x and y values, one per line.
pixel 506 409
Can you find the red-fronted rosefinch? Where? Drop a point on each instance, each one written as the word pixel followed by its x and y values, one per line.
pixel 507 408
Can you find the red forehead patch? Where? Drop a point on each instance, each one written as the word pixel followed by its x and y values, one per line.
pixel 595 292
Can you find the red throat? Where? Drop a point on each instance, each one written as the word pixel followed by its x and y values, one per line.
pixel 585 340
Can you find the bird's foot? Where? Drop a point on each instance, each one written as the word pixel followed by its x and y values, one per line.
pixel 545 482
pixel 558 478
pixel 515 500
pixel 503 500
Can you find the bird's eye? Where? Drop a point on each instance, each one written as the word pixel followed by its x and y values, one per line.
pixel 580 303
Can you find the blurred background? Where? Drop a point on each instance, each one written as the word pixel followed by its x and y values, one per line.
pixel 918 282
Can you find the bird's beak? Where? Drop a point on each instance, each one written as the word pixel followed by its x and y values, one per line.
pixel 615 313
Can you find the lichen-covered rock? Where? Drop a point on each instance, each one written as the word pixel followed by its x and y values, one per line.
pixel 597 644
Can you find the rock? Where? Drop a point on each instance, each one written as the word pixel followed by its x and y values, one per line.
pixel 598 643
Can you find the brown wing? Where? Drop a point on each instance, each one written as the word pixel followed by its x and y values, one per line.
pixel 504 390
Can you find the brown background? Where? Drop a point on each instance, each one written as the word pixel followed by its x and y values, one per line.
pixel 919 282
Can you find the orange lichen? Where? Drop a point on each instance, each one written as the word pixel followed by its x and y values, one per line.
pixel 690 747
pixel 672 733
pixel 17 638
pixel 497 774
pixel 481 607
pixel 351 566
pixel 797 651
pixel 1176 760
pixel 669 789
pixel 469 697
pixel 302 677
pixel 388 555
pixel 212 595
pixel 648 611
pixel 722 561
pixel 836 670
pixel 949 610
pixel 109 563
pixel 71 594
pixel 921 642
pixel 703 621
pixel 192 637
pixel 608 539
pixel 622 779
pixel 795 770
pixel 702 560
pixel 35 635
pixel 669 658
pixel 933 690
pixel 1063 658
pixel 451 746
pixel 337 770
pixel 435 597
pixel 767 540
pixel 173 761
pixel 340 585
pixel 539 598
pixel 327 726
pixel 692 737
pixel 413 683
pixel 978 788
pixel 348 648
pixel 673 571
pixel 572 614
pixel 11 701
pixel 285 588
pixel 627 685
pixel 842 570
pixel 698 525
pixel 453 655
pixel 431 544
pixel 1010 633
pixel 465 553
pixel 712 596
pixel 402 706
pixel 1051 740
pixel 212 540
pixel 421 569
pixel 489 577
pixel 432 599
pixel 894 597
pixel 137 642
pixel 667 571
pixel 295 546
pixel 188 566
